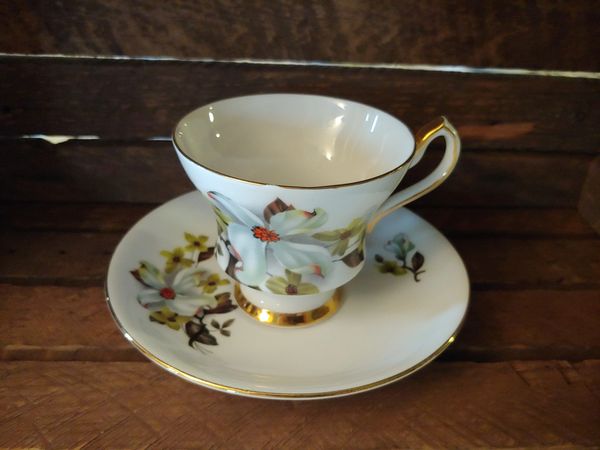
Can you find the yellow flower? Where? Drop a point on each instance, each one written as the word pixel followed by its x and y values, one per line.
pixel 291 285
pixel 212 283
pixel 195 242
pixel 386 266
pixel 169 318
pixel 175 259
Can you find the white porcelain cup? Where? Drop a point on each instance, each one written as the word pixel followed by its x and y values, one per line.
pixel 296 182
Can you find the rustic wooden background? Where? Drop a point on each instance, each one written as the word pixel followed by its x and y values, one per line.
pixel 523 208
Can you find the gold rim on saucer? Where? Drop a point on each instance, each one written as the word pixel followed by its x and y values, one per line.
pixel 299 319
pixel 281 395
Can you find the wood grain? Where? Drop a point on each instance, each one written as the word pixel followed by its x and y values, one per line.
pixel 69 379
pixel 540 35
pixel 530 324
pixel 56 258
pixel 507 263
pixel 141 99
pixel 149 172
pixel 453 405
pixel 494 262
pixel 77 326
pixel 523 222
pixel 589 201
pixel 454 221
pixel 501 325
pixel 91 171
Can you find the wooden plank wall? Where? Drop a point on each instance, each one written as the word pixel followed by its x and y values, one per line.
pixel 539 35
pixel 535 125
pixel 121 74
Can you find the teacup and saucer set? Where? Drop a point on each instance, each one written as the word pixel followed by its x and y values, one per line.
pixel 293 272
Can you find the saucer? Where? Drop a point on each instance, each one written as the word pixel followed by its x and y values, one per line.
pixel 171 301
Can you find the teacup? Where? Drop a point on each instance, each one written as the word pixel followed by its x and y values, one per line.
pixel 296 183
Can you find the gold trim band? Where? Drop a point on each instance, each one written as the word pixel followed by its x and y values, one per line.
pixel 300 319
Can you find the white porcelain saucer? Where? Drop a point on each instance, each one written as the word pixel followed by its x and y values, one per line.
pixel 389 325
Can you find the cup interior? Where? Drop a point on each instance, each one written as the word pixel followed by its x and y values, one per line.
pixel 294 140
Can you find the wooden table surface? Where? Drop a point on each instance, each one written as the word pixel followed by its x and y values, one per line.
pixel 523 210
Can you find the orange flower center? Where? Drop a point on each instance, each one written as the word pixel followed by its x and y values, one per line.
pixel 167 293
pixel 265 235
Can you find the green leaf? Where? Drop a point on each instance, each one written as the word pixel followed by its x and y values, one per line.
pixel 361 244
pixel 222 216
pixel 215 324
pixel 222 219
pixel 328 236
pixel 225 333
pixel 227 323
pixel 340 248
pixel 356 226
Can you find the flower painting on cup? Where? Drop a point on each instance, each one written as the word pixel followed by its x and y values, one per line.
pixel 285 250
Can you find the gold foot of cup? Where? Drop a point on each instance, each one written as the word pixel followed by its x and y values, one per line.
pixel 295 319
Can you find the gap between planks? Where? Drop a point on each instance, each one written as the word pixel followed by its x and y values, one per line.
pixel 442 68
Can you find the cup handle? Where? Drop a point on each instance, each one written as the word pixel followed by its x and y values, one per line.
pixel 434 129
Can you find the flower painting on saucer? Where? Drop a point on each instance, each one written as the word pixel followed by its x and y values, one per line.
pixel 185 293
pixel 402 248
pixel 192 322
pixel 181 295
